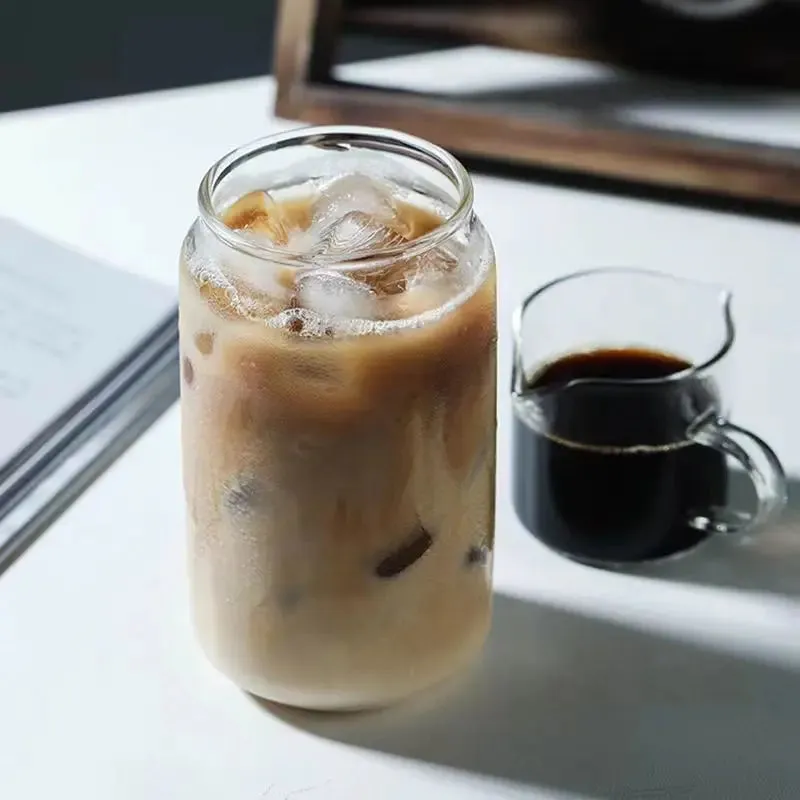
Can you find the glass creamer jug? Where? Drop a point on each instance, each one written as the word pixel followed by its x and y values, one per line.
pixel 621 430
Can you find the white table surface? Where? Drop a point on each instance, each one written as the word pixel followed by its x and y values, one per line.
pixel 593 685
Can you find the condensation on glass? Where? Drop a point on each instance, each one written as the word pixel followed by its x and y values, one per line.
pixel 338 334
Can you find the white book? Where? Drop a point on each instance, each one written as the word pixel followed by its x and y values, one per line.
pixel 88 359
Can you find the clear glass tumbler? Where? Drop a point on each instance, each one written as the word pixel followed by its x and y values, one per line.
pixel 338 335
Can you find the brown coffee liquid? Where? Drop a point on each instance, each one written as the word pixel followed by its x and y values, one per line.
pixel 611 476
pixel 340 484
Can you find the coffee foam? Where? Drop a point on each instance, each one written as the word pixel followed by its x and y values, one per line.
pixel 210 261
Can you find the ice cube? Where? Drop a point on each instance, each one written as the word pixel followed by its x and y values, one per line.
pixel 433 264
pixel 353 217
pixel 405 555
pixel 388 280
pixel 244 496
pixel 334 295
pixel 421 298
pixel 258 215
pixel 353 193
pixel 430 283
pixel 355 235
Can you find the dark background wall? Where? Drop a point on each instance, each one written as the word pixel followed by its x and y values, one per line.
pixel 58 52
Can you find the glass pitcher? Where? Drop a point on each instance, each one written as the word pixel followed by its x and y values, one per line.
pixel 621 430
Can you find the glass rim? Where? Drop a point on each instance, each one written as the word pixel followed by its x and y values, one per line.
pixel 338 137
pixel 724 297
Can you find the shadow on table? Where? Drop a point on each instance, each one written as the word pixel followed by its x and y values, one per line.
pixel 768 563
pixel 594 707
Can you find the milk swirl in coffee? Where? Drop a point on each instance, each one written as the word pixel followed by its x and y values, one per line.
pixel 338 401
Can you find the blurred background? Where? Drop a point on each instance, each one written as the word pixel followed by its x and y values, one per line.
pixel 704 92
pixel 60 53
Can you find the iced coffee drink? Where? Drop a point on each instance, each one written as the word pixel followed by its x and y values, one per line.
pixel 337 299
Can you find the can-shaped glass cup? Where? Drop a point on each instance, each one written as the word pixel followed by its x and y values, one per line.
pixel 338 351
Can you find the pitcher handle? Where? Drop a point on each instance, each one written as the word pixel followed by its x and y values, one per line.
pixel 762 466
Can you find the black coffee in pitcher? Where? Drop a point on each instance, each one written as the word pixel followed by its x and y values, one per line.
pixel 604 469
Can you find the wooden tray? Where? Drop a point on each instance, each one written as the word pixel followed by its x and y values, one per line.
pixel 763 51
